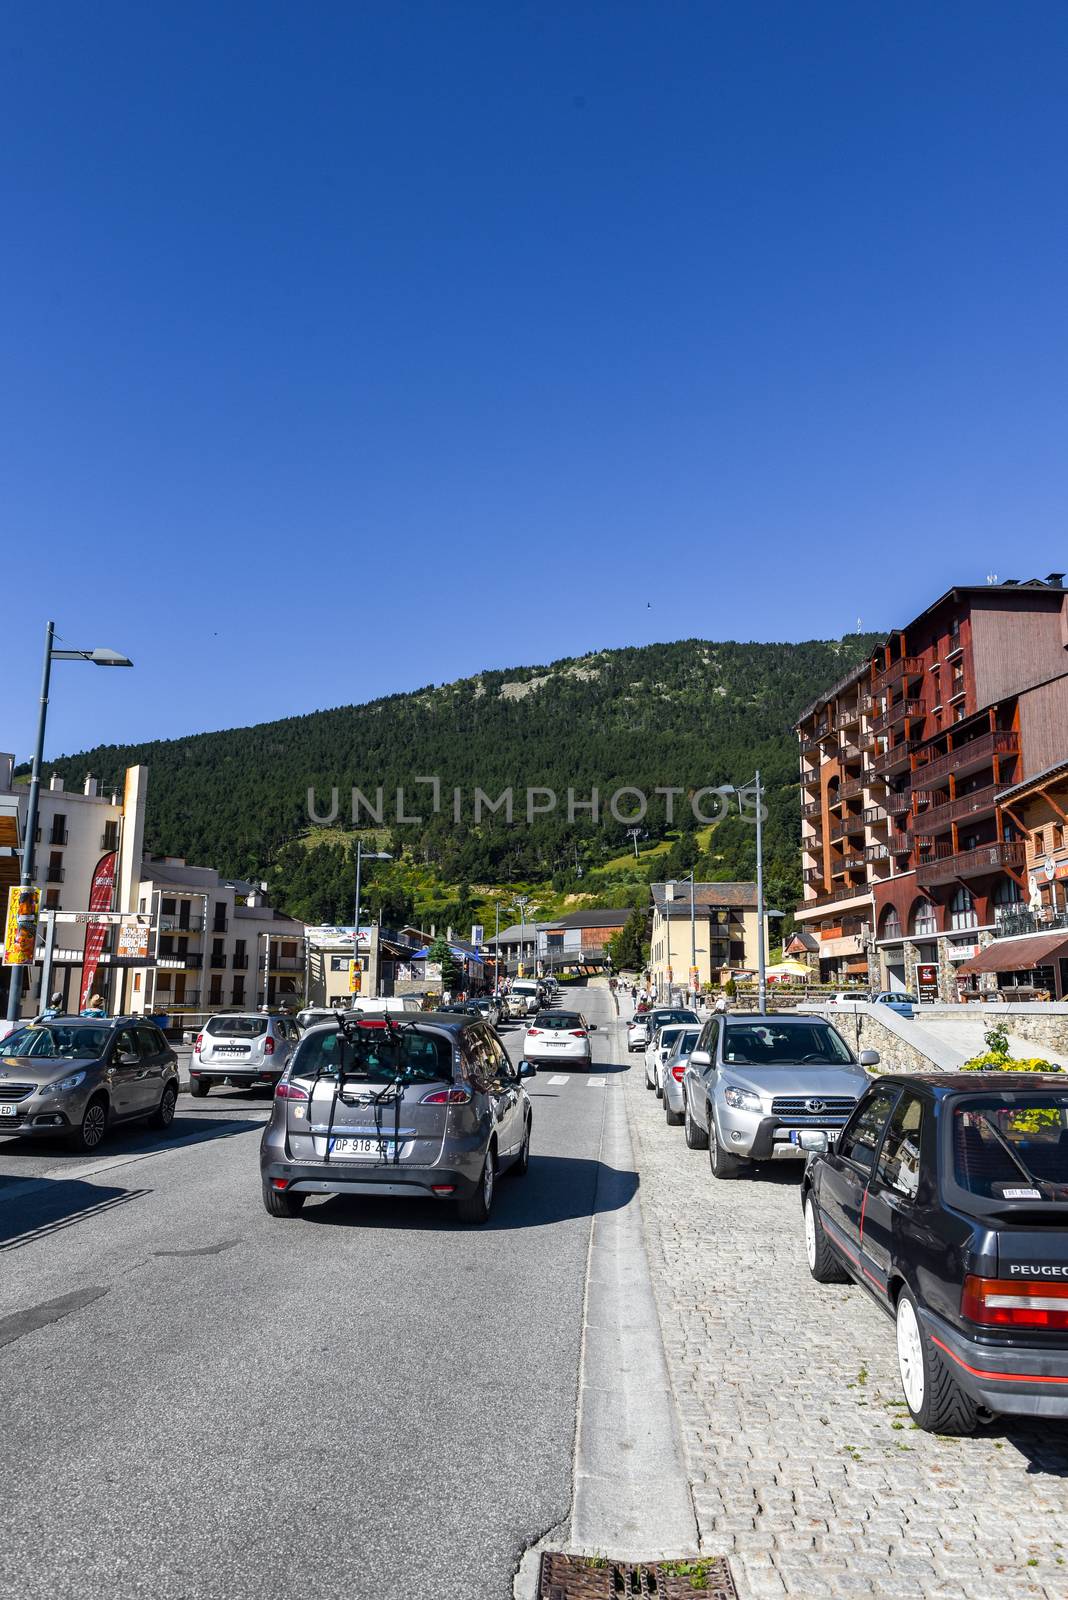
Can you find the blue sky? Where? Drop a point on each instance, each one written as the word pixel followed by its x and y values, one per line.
pixel 352 347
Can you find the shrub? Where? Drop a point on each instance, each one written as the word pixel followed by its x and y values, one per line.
pixel 995 1061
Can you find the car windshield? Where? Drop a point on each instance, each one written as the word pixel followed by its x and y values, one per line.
pixel 378 1054
pixel 1012 1147
pixel 68 1041
pixel 558 1019
pixel 236 1027
pixel 785 1044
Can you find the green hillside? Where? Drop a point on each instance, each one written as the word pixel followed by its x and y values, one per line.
pixel 686 715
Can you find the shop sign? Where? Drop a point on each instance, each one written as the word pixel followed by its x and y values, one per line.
pixel 927 980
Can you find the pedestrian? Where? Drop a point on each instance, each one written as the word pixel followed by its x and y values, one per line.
pixel 721 1003
pixel 95 1008
pixel 54 1008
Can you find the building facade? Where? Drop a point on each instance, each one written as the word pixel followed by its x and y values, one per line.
pixel 909 859
pixel 724 933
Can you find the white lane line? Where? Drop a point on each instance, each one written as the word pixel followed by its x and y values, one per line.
pixel 559 1080
pixel 596 1083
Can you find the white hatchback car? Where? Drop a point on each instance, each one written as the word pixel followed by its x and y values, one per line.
pixel 657 1051
pixel 559 1036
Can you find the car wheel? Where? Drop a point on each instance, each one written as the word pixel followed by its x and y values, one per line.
pixel 696 1138
pixel 476 1207
pixel 672 1118
pixel 89 1133
pixel 722 1164
pixel 658 1085
pixel 198 1088
pixel 522 1161
pixel 163 1115
pixel 934 1397
pixel 282 1202
pixel 823 1264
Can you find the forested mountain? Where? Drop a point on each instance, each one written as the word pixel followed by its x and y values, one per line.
pixel 686 715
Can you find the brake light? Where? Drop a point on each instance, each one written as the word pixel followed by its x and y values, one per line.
pixel 198 1042
pixel 447 1097
pixel 289 1091
pixel 678 1071
pixel 279 1183
pixel 268 1046
pixel 443 1188
pixel 1015 1303
pixel 578 1033
pixel 532 1030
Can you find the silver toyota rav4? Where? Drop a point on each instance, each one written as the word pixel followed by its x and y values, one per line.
pixel 428 1106
pixel 753 1084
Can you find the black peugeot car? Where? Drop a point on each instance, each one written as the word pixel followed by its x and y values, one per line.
pixel 946 1197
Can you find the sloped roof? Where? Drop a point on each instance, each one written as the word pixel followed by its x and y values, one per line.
pixel 706 896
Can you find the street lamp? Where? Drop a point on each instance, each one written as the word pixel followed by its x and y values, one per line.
pixel 693 926
pixel 100 657
pixel 757 792
pixel 520 904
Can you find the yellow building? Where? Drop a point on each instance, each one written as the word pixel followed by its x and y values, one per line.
pixel 723 942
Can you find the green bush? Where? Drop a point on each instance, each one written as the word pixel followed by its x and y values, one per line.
pixel 994 1061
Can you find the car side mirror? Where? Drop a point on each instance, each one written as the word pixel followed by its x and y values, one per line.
pixel 129 1058
pixel 700 1058
pixel 527 1069
pixel 814 1140
pixel 869 1058
pixel 591 1027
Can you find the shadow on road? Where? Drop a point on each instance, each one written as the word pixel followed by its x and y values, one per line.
pixel 62 1202
pixel 19 1157
pixel 556 1189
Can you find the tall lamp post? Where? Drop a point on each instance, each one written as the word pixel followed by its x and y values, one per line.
pixel 100 657
pixel 520 904
pixel 756 790
pixel 693 921
pixel 363 855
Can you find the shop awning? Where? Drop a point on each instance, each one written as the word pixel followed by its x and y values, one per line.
pixel 1018 955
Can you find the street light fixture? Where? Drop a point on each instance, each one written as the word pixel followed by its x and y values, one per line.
pixel 756 790
pixel 100 657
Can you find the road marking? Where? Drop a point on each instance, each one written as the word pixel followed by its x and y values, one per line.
pixel 560 1080
pixel 596 1083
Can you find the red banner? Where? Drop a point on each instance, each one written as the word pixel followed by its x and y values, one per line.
pixel 100 897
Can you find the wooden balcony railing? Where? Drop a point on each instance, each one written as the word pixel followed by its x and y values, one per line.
pixel 966 807
pixel 966 757
pixel 906 667
pixel 943 865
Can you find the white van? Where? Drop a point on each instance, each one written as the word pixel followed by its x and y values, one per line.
pixel 525 991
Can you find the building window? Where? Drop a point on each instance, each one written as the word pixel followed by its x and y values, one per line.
pixel 962 912
pixel 51 899
pixel 891 924
pixel 110 840
pixel 1006 898
pixel 168 907
pixel 925 921
pixel 339 963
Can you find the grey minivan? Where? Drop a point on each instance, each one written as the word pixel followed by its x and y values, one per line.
pixel 753 1084
pixel 428 1106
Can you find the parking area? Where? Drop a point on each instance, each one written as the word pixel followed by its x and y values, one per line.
pixel 805 1466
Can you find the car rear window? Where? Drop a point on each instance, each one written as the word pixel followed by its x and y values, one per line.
pixel 67 1042
pixel 558 1019
pixel 377 1054
pixel 236 1027
pixel 1012 1148
pixel 674 1016
pixel 758 1044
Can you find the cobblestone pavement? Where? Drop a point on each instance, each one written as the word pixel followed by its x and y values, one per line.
pixel 806 1467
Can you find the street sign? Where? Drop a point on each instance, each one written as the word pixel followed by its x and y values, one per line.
pixel 478 935
pixel 355 977
pixel 927 981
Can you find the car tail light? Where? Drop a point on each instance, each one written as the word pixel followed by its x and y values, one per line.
pixel 443 1188
pixel 268 1046
pixel 533 1030
pixel 447 1097
pixel 678 1071
pixel 1015 1302
pixel 578 1033
pixel 198 1042
pixel 279 1183
pixel 289 1091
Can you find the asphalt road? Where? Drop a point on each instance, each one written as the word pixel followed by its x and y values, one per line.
pixel 372 1400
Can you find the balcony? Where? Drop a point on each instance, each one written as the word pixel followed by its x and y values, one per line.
pixel 810 809
pixel 168 961
pixel 897 713
pixel 896 759
pixel 1011 925
pixel 897 805
pixel 810 747
pixel 969 757
pixel 286 963
pixel 848 863
pixel 216 962
pixel 190 1001
pixel 849 788
pixel 813 874
pixel 874 816
pixel 219 925
pixel 240 963
pixel 852 823
pixel 54 874
pixel 860 892
pixel 964 809
pixel 943 866
pixel 906 667
pixel 846 717
pixel 190 924
pixel 877 852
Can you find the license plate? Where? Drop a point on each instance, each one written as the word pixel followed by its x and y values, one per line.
pixel 233 1049
pixel 7 1108
pixel 362 1149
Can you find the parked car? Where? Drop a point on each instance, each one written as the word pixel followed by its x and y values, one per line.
pixel 562 1036
pixel 526 995
pixel 898 1000
pixel 672 1073
pixel 312 1015
pixel 643 1024
pixel 489 1008
pixel 74 1078
pixel 430 1109
pixel 848 999
pixel 657 1051
pixel 242 1048
pixel 946 1198
pixel 753 1082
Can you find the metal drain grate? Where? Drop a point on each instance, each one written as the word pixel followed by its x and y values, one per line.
pixel 582 1578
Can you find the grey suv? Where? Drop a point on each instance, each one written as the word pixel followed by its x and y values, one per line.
pixel 754 1083
pixel 241 1049
pixel 425 1107
pixel 74 1077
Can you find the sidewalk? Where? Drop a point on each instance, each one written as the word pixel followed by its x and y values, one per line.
pixel 805 1467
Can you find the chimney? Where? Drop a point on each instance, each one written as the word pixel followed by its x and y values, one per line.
pixel 91 786
pixel 1055 580
pixel 55 783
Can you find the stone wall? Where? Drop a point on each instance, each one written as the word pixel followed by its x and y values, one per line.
pixel 903 1046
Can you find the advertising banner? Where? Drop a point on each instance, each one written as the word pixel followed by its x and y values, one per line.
pixel 478 935
pixel 927 981
pixel 20 931
pixel 133 941
pixel 100 896
pixel 355 977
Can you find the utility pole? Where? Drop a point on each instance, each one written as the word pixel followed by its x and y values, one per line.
pixel 762 979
